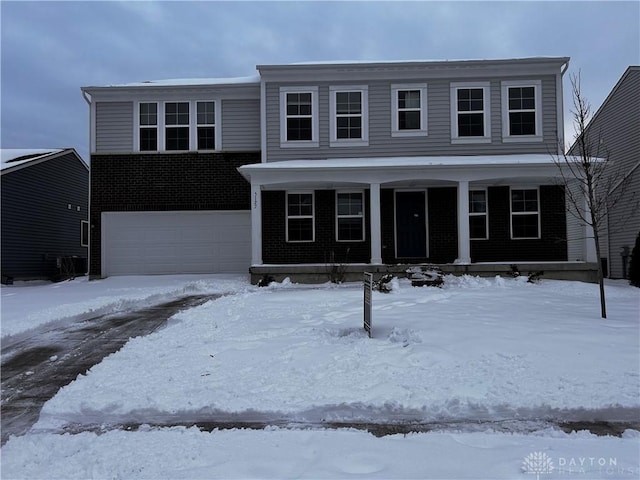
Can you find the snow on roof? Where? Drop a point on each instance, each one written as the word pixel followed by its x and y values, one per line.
pixel 10 157
pixel 387 162
pixel 176 82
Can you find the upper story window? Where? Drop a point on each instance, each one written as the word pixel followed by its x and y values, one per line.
pixel 521 111
pixel 177 126
pixel 408 109
pixel 478 215
pixel 349 116
pixel 299 116
pixel 349 216
pixel 176 121
pixel 206 125
pixel 470 117
pixel 300 217
pixel 148 121
pixel 525 213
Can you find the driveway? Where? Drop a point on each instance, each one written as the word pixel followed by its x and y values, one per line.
pixel 34 369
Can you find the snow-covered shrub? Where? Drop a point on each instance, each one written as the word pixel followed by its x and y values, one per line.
pixel 634 265
pixel 266 280
pixel 384 284
pixel 425 275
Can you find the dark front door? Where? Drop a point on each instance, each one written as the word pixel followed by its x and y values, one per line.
pixel 411 225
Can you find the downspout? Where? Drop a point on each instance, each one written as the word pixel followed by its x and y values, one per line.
pixel 560 108
pixel 87 98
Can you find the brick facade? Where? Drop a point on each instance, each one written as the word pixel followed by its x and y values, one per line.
pixel 442 230
pixel 165 182
pixel 552 246
pixel 325 249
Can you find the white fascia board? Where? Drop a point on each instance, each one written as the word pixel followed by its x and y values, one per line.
pixel 411 70
pixel 200 92
pixel 384 171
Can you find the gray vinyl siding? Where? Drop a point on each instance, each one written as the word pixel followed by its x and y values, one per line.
pixel 241 125
pixel 438 140
pixel 37 223
pixel 576 242
pixel 616 127
pixel 114 126
pixel 624 226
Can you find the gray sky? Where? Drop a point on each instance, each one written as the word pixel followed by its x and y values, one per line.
pixel 51 49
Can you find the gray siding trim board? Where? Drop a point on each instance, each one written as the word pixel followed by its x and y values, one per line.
pixel 114 126
pixel 240 125
pixel 437 142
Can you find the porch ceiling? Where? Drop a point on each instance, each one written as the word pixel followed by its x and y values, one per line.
pixel 403 171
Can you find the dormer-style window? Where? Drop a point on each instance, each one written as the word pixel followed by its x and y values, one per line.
pixel 408 110
pixel 176 120
pixel 521 111
pixel 349 121
pixel 299 116
pixel 470 117
pixel 148 121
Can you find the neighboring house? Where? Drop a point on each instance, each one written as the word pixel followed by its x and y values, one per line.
pixel 616 128
pixel 366 165
pixel 45 197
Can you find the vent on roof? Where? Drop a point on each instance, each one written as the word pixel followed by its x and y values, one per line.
pixel 27 157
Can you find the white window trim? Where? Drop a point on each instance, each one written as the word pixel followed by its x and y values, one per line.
pixel 165 126
pixel 364 115
pixel 82 227
pixel 216 131
pixel 312 216
pixel 506 136
pixel 137 127
pixel 512 213
pixel 478 214
pixel 313 143
pixel 395 131
pixel 193 126
pixel 486 102
pixel 361 216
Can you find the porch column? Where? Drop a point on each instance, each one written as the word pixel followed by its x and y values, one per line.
pixel 376 242
pixel 464 246
pixel 256 224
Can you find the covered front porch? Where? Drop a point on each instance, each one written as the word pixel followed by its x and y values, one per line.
pixel 458 212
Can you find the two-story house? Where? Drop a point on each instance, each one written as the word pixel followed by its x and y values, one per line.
pixel 367 165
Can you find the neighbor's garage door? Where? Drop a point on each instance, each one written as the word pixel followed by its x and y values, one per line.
pixel 142 243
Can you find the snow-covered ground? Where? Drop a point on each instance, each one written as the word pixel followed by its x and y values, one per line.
pixel 498 350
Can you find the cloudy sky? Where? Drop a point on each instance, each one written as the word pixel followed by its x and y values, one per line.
pixel 51 49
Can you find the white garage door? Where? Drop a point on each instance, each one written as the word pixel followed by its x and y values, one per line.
pixel 143 243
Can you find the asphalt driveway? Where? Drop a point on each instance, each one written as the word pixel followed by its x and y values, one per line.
pixel 34 369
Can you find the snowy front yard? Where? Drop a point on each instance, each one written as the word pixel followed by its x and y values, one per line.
pixel 496 350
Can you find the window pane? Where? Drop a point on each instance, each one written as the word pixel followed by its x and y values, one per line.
pixel 148 139
pixel 206 138
pixel 300 229
pixel 206 113
pixel 298 129
pixel 471 125
pixel 349 204
pixel 177 138
pixel 350 229
pixel 478 226
pixel 348 103
pixel 349 127
pixel 176 113
pixel 300 204
pixel 298 103
pixel 470 99
pixel 409 99
pixel 148 114
pixel 524 200
pixel 477 201
pixel 525 226
pixel 409 120
pixel 522 123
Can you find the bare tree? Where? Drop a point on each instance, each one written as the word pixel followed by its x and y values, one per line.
pixel 593 183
